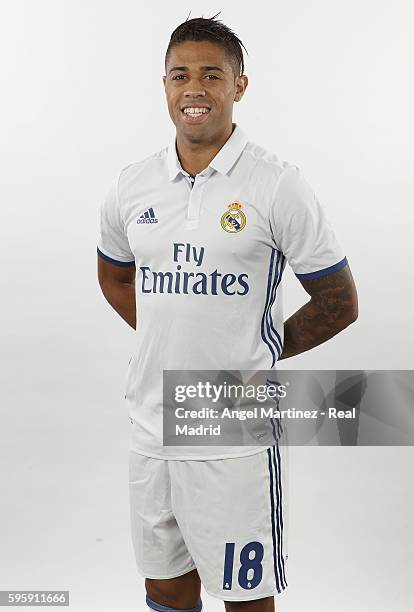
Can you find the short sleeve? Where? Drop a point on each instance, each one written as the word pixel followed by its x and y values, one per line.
pixel 301 229
pixel 113 245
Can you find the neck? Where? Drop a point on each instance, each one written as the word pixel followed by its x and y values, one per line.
pixel 195 156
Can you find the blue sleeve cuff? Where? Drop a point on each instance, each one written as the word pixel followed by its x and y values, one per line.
pixel 324 271
pixel 115 262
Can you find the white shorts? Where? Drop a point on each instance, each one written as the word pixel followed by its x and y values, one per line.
pixel 225 517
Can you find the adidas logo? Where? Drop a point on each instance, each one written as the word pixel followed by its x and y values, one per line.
pixel 148 217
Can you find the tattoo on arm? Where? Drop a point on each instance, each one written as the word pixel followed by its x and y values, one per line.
pixel 332 307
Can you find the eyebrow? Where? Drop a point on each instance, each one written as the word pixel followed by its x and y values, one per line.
pixel 204 68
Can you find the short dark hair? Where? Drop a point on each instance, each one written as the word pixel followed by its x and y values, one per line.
pixel 215 31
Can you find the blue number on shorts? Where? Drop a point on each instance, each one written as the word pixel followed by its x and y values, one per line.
pixel 246 564
pixel 253 564
pixel 228 566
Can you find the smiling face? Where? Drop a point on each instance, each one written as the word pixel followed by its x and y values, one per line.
pixel 200 78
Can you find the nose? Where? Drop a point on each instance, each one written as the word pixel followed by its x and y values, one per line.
pixel 194 89
pixel 193 93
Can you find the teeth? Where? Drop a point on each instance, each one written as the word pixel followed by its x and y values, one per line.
pixel 195 111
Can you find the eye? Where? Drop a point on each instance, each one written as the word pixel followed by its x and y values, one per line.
pixel 178 76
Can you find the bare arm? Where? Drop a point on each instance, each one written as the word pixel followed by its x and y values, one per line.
pixel 332 307
pixel 118 286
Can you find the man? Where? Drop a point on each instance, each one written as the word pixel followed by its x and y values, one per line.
pixel 193 243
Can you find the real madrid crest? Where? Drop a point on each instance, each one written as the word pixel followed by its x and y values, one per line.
pixel 234 219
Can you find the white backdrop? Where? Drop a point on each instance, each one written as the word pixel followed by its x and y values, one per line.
pixel 82 96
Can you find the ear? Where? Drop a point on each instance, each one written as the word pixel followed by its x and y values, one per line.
pixel 241 84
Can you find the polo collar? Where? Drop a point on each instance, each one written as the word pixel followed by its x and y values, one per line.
pixel 222 162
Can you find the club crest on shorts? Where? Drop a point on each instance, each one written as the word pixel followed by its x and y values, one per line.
pixel 234 219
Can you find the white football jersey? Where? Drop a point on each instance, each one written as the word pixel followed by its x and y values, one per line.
pixel 209 254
